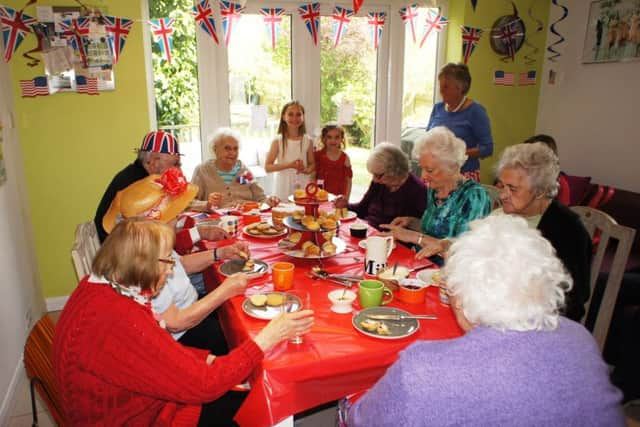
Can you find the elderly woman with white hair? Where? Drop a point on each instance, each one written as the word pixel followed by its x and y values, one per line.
pixel 518 363
pixel 452 200
pixel 225 181
pixel 393 191
pixel 528 182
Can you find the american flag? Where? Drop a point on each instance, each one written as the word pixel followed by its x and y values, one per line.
pixel 15 25
pixel 162 30
pixel 88 85
pixel 433 22
pixel 78 30
pixel 376 23
pixel 409 15
pixel 272 17
pixel 528 78
pixel 230 11
pixel 503 78
pixel 310 14
pixel 34 87
pixel 507 34
pixel 204 16
pixel 470 37
pixel 341 17
pixel 118 29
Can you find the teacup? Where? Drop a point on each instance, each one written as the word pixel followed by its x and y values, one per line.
pixel 371 293
pixel 358 230
pixel 412 292
pixel 229 223
pixel 341 300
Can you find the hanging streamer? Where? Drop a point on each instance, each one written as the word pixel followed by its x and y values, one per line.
pixel 272 17
pixel 118 30
pixel 162 30
pixel 551 48
pixel 409 15
pixel 230 12
pixel 474 3
pixel 434 22
pixel 376 23
pixel 203 15
pixel 310 14
pixel 530 57
pixel 470 38
pixel 357 4
pixel 341 17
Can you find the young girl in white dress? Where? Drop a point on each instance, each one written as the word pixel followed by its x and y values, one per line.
pixel 291 153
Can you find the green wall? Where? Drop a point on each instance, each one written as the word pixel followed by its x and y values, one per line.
pixel 73 144
pixel 512 109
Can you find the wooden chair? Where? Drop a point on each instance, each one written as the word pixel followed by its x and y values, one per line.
pixel 595 222
pixel 84 249
pixel 39 367
pixel 494 196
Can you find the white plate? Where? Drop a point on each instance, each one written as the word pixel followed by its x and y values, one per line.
pixel 341 246
pixel 425 276
pixel 351 215
pixel 267 312
pixel 363 244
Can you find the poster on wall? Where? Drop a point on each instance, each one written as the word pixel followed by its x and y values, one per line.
pixel 613 31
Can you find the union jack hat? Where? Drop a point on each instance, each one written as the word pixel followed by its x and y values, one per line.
pixel 160 141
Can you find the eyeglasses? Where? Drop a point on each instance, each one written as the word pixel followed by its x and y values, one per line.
pixel 171 261
pixel 378 175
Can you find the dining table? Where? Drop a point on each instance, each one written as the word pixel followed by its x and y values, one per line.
pixel 335 359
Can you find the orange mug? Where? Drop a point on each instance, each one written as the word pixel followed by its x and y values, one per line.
pixel 412 294
pixel 250 218
pixel 282 273
pixel 248 206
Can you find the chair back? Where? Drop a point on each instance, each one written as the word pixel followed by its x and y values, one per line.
pixel 84 249
pixel 494 195
pixel 38 353
pixel 599 223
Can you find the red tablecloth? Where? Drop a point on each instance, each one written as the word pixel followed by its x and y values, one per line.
pixel 335 359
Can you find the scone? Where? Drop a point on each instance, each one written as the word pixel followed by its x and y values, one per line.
pixel 369 325
pixel 383 329
pixel 258 300
pixel 300 194
pixel 322 195
pixel 275 300
pixel 295 237
pixel 248 265
pixel 328 248
pixel 310 249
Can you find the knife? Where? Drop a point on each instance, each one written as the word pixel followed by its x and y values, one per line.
pixel 401 316
pixel 422 267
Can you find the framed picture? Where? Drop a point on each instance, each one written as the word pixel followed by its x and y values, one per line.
pixel 613 31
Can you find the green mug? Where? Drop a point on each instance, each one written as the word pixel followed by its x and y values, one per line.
pixel 372 292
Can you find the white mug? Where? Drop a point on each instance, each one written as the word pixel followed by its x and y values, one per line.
pixel 229 223
pixel 378 250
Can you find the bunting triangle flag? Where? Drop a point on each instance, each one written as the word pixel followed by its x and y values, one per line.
pixel 434 22
pixel 230 13
pixel 341 17
pixel 376 24
pixel 118 30
pixel 15 26
pixel 409 14
pixel 310 14
pixel 203 15
pixel 272 17
pixel 162 30
pixel 357 4
pixel 470 38
pixel 77 30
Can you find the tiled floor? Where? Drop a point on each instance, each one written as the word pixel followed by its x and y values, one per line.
pixel 21 413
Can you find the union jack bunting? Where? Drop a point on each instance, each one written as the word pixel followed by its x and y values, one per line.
pixel 357 4
pixel 310 14
pixel 160 141
pixel 162 30
pixel 376 24
pixel 15 25
pixel 506 36
pixel 503 78
pixel 341 17
pixel 470 38
pixel 409 15
pixel 34 87
pixel 433 22
pixel 204 16
pixel 88 85
pixel 230 11
pixel 528 78
pixel 78 31
pixel 118 30
pixel 272 17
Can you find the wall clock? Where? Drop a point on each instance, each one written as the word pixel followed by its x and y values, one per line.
pixel 507 35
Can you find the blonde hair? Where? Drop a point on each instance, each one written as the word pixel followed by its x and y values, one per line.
pixel 282 127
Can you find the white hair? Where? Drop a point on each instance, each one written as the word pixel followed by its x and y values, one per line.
pixel 219 135
pixel 444 146
pixel 506 275
pixel 393 160
pixel 539 163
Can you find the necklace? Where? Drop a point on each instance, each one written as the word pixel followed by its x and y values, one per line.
pixel 458 107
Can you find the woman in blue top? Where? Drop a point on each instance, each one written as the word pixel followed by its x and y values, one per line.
pixel 466 118
pixel 453 201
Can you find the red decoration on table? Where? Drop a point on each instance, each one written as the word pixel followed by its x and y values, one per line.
pixel 173 181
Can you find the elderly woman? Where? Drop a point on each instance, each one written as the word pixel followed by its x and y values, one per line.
pixel 528 182
pixel 518 363
pixel 465 117
pixel 225 181
pixel 452 200
pixel 393 191
pixel 114 362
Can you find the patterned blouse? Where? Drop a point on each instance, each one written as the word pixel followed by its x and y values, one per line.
pixel 451 216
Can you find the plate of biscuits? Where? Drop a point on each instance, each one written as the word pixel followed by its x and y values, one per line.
pixel 243 266
pixel 269 305
pixel 263 230
pixel 311 250
pixel 384 329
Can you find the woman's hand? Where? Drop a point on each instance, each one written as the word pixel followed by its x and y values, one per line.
pixel 273 201
pixel 340 202
pixel 283 327
pixel 212 233
pixel 236 284
pixel 238 250
pixel 398 233
pixel 432 246
pixel 402 221
pixel 214 200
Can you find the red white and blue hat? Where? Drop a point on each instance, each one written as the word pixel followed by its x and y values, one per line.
pixel 160 141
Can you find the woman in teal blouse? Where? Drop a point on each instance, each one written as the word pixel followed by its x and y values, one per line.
pixel 452 200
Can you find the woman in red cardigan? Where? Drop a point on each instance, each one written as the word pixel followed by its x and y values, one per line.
pixel 116 365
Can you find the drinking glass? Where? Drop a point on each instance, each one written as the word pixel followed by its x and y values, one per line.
pixel 296 300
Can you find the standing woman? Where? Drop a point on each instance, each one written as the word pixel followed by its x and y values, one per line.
pixel 466 118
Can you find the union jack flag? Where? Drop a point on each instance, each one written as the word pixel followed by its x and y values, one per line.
pixel 204 16
pixel 162 30
pixel 118 30
pixel 272 17
pixel 528 78
pixel 230 11
pixel 78 30
pixel 376 23
pixel 15 25
pixel 503 78
pixel 34 87
pixel 310 14
pixel 340 17
pixel 160 141
pixel 409 15
pixel 507 34
pixel 470 38
pixel 433 22
pixel 88 85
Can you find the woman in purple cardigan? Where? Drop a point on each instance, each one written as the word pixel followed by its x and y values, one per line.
pixel 519 362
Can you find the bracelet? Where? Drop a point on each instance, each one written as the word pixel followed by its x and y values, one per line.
pixel 419 240
pixel 215 255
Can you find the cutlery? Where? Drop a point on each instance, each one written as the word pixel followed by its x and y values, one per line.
pixel 395 267
pixel 346 284
pixel 421 267
pixel 401 316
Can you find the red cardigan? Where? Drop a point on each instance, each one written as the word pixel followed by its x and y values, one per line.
pixel 115 366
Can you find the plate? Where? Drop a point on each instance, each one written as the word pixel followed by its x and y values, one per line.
pixel 351 215
pixel 425 276
pixel 331 198
pixel 398 329
pixel 246 228
pixel 267 312
pixel 363 244
pixel 341 246
pixel 235 266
